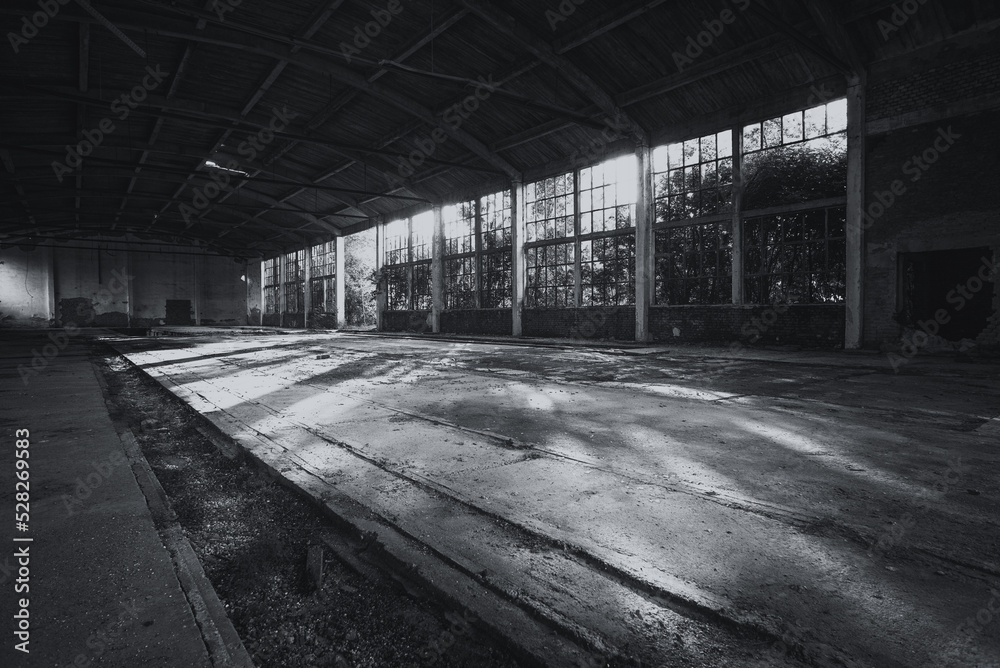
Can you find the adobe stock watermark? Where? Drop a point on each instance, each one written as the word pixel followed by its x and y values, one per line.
pixel 915 168
pixel 454 117
pixel 902 12
pixel 895 534
pixel 60 339
pixel 697 44
pixel 959 297
pixel 363 35
pixel 566 9
pixel 121 108
pixel 31 26
pixel 85 487
pixel 759 325
pixel 460 626
pixel 250 148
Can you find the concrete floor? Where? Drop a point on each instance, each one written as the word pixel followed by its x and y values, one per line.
pixel 660 497
pixel 102 587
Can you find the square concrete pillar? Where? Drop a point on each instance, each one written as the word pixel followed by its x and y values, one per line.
pixel 644 250
pixel 856 142
pixel 737 262
pixel 340 257
pixel 518 278
pixel 307 288
pixel 437 270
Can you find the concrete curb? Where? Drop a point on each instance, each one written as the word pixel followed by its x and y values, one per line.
pixel 225 648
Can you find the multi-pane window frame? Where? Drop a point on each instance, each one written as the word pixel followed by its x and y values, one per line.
pixel 323 277
pixel 817 248
pixel 406 266
pixel 602 237
pixel 461 271
pixel 551 252
pixel 294 281
pixel 791 130
pixel 702 287
pixel 494 217
pixel 271 284
pixel 694 179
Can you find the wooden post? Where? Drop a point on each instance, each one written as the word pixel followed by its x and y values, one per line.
pixel 854 326
pixel 644 247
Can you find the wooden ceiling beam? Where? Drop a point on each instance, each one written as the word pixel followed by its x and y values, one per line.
pixel 543 51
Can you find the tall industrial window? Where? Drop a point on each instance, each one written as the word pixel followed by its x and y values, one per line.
pixel 407 269
pixel 295 282
pixel 797 258
pixel 693 191
pixel 272 285
pixel 694 265
pixel 323 277
pixel 460 255
pixel 496 287
pixel 608 194
pixel 396 258
pixel 550 208
pixel 694 179
pixel 397 242
pixel 796 158
pixel 551 276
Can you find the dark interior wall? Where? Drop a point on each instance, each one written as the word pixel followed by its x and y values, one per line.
pixel 943 165
pixel 97 287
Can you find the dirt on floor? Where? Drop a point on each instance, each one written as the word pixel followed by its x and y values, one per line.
pixel 252 537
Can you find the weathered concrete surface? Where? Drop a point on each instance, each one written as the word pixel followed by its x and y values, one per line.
pixel 820 497
pixel 102 587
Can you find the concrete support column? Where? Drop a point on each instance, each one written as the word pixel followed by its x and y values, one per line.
pixel 577 245
pixel 737 264
pixel 437 270
pixel 341 280
pixel 281 290
pixel 196 292
pixel 856 141
pixel 644 247
pixel 129 286
pixel 263 293
pixel 380 294
pixel 52 308
pixel 518 278
pixel 307 288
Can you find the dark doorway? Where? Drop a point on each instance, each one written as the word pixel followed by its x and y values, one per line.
pixel 950 281
pixel 179 312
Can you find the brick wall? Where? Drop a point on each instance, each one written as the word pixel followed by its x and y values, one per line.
pixel 819 325
pixel 406 321
pixel 496 322
pixel 950 77
pixel 953 204
pixel 584 323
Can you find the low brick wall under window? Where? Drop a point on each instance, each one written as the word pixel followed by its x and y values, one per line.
pixel 607 322
pixel 820 325
pixel 492 322
pixel 406 321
